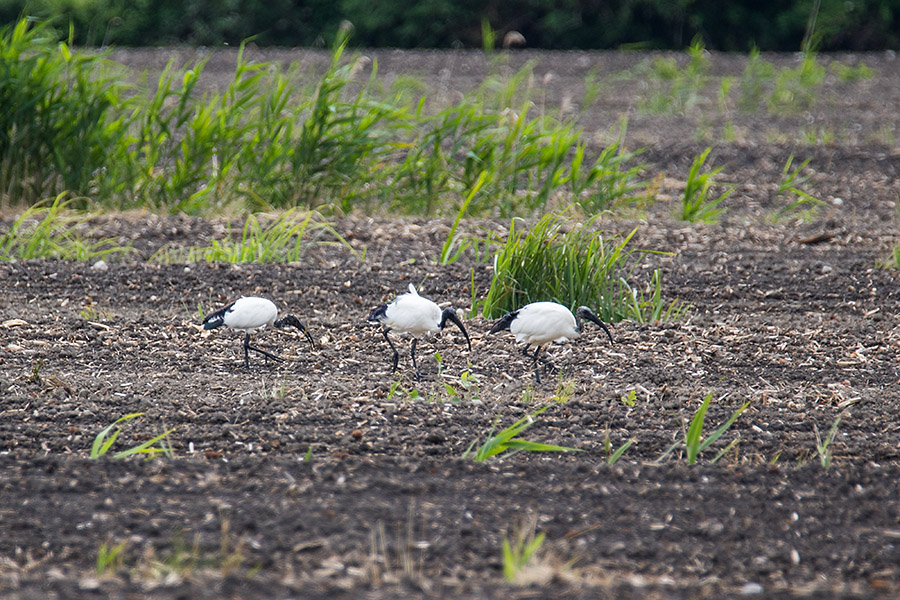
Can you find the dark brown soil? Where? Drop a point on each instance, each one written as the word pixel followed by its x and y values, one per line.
pixel 314 478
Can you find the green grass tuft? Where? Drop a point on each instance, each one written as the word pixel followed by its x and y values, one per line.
pixel 508 440
pixel 50 230
pixel 519 552
pixel 696 203
pixel 682 87
pixel 110 558
pixel 612 181
pixel 613 456
pixel 798 89
pixel 791 187
pixel 579 267
pixel 694 442
pixel 823 446
pixel 107 437
pixel 287 238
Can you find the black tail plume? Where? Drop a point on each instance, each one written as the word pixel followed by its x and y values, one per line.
pixel 504 323
pixel 379 314
pixel 216 319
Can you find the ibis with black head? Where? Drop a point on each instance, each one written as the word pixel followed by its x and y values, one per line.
pixel 249 314
pixel 539 323
pixel 411 313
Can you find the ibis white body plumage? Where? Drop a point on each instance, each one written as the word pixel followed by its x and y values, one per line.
pixel 411 313
pixel 539 323
pixel 249 314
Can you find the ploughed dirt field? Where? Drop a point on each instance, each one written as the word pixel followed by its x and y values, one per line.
pixel 319 477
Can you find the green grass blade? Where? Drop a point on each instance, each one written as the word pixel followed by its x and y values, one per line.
pixel 692 439
pixel 108 443
pixel 669 450
pixel 533 547
pixel 538 447
pixel 615 456
pixel 99 447
pixel 505 440
pixel 451 237
pixel 725 450
pixel 721 430
pixel 509 561
pixel 146 447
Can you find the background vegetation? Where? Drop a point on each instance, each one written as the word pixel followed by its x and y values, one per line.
pixel 737 25
pixel 79 130
pixel 343 140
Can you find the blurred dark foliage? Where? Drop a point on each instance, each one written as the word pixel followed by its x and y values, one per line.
pixel 726 25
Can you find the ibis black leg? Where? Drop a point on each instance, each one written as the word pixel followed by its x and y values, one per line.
pixel 537 368
pixel 384 332
pixel 534 355
pixel 248 348
pixel 412 353
pixel 266 354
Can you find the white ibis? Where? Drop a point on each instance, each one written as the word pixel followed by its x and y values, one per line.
pixel 540 323
pixel 250 313
pixel 413 314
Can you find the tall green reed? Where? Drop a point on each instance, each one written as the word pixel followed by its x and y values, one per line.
pixel 266 142
pixel 613 179
pixel 528 163
pixel 341 144
pixel 57 123
pixel 186 149
pixel 682 87
pixel 697 205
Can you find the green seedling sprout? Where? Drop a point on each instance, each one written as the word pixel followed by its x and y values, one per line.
pixel 104 441
pixel 518 553
pixel 629 398
pixel 508 440
pixel 696 203
pixel 109 558
pixel 790 185
pixel 694 442
pixel 823 446
pixel 614 456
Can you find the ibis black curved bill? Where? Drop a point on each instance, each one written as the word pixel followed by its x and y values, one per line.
pixel 449 314
pixel 586 313
pixel 295 322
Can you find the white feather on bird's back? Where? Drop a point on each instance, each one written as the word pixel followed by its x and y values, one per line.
pixel 542 322
pixel 413 314
pixel 251 313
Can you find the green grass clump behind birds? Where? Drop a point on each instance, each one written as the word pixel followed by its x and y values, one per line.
pixel 582 266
